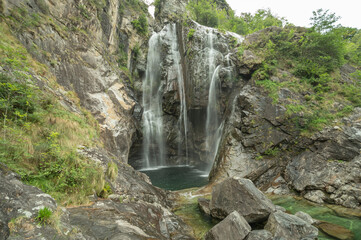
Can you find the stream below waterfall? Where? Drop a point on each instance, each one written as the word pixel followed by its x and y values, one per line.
pixel 347 218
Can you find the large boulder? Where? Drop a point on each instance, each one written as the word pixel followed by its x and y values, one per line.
pixel 288 226
pixel 260 235
pixel 137 220
pixel 239 194
pixel 233 227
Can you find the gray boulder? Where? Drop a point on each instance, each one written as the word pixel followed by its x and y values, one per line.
pixel 288 226
pixel 260 235
pixel 232 227
pixel 203 205
pixel 306 217
pixel 315 196
pixel 239 194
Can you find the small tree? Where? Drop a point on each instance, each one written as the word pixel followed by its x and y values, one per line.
pixel 323 21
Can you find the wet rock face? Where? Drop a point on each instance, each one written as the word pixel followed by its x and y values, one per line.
pixel 233 227
pixel 283 225
pixel 86 63
pixel 238 194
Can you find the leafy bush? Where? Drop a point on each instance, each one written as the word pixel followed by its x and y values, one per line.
pixel 44 215
pixel 17 101
pixel 191 33
pixel 217 14
pixel 141 24
pixel 107 190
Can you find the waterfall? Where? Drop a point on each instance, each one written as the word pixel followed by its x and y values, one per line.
pixel 154 149
pixel 213 126
pixel 153 137
pixel 183 118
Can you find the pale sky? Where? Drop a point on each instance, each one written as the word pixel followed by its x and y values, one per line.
pixel 299 12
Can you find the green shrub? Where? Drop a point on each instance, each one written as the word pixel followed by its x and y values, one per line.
pixel 191 33
pixel 141 24
pixel 44 215
pixel 106 191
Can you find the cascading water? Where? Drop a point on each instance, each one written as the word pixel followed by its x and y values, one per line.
pixel 174 53
pixel 154 150
pixel 213 126
pixel 211 65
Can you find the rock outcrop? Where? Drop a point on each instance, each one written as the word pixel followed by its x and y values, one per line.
pixel 284 225
pixel 233 227
pixel 260 235
pixel 136 212
pixel 81 42
pixel 238 194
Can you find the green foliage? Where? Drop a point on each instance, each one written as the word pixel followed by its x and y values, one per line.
pixel 312 61
pixel 136 52
pixel 191 33
pixel 204 12
pixel 106 191
pixel 44 215
pixel 23 19
pixel 141 24
pixel 215 14
pixel 17 101
pixel 323 21
pixel 157 6
pixel 84 11
pixel 123 56
pixel 272 151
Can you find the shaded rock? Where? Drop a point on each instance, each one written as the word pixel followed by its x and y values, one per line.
pixel 306 217
pixel 233 227
pixel 203 205
pixel 260 235
pixel 315 196
pixel 281 224
pixel 239 194
pixel 336 231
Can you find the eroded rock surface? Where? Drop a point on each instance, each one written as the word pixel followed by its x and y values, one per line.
pixel 288 226
pixel 233 227
pixel 241 195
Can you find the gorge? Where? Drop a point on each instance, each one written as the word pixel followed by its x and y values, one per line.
pixel 93 94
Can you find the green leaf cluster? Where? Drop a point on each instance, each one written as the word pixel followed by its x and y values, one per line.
pixel 141 25
pixel 44 215
pixel 215 14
